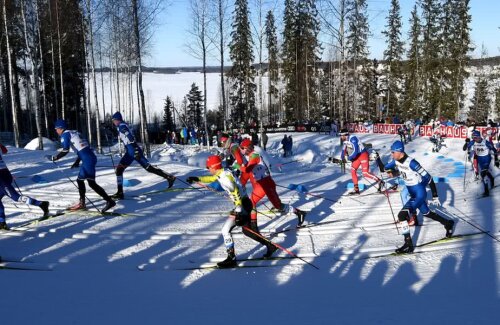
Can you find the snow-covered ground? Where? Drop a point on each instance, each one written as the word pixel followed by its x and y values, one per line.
pixel 95 260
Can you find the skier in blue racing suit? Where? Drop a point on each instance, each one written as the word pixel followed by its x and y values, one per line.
pixel 133 152
pixel 74 140
pixel 416 179
pixel 6 188
pixel 483 149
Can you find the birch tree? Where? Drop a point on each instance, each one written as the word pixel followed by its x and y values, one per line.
pixel 200 44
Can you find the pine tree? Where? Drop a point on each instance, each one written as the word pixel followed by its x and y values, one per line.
pixel 370 79
pixel 273 66
pixel 393 59
pixel 242 72
pixel 194 106
pixel 168 122
pixel 497 104
pixel 461 46
pixel 357 50
pixel 481 103
pixel 308 26
pixel 412 103
pixel 290 60
pixel 431 58
pixel 300 54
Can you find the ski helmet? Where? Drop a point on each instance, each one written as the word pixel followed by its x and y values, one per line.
pixel 246 143
pixel 476 134
pixel 344 132
pixel 60 124
pixel 214 162
pixel 398 146
pixel 117 116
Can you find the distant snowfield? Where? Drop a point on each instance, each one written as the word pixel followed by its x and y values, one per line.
pixel 157 86
pixel 95 260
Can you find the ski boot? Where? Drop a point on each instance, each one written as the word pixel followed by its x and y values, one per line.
pixel 449 228
pixel 230 261
pixel 109 204
pixel 171 180
pixel 78 206
pixel 381 188
pixel 407 246
pixel 3 226
pixel 118 195
pixel 355 191
pixel 44 205
pixel 283 210
pixel 270 251
pixel 301 215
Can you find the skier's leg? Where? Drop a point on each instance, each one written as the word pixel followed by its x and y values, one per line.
pixel 230 261
pixel 257 195
pixel 269 187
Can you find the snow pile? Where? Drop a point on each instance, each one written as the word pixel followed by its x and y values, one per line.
pixel 48 145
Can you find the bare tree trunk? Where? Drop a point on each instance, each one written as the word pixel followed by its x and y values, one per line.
pixel 42 70
pixel 60 61
pixel 142 108
pixel 34 70
pixel 222 83
pixel 117 79
pixel 260 36
pixel 92 65
pixel 87 88
pixel 102 81
pixel 12 79
pixel 54 78
pixel 111 83
pixel 204 46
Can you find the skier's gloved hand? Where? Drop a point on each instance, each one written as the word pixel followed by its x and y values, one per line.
pixel 50 157
pixel 192 179
pixel 76 164
pixel 137 153
pixel 239 218
pixel 467 140
pixel 435 202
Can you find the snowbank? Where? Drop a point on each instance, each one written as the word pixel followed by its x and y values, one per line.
pixel 48 145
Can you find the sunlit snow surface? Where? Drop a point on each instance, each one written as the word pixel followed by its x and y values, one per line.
pixel 95 277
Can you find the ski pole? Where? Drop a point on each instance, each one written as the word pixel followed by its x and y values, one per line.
pixel 386 194
pixel 91 202
pixel 451 215
pixel 190 185
pixel 465 169
pixel 223 194
pixel 320 196
pixel 279 246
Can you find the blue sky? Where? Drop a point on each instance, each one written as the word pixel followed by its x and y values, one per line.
pixel 170 37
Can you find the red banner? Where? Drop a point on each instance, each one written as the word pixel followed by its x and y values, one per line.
pixel 425 130
pixel 386 128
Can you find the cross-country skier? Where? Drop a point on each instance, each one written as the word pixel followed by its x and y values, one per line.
pixel 416 179
pixel 132 152
pixel 359 156
pixel 483 149
pixel 437 139
pixel 6 188
pixel 74 140
pixel 232 156
pixel 239 216
pixel 262 183
pixel 402 132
